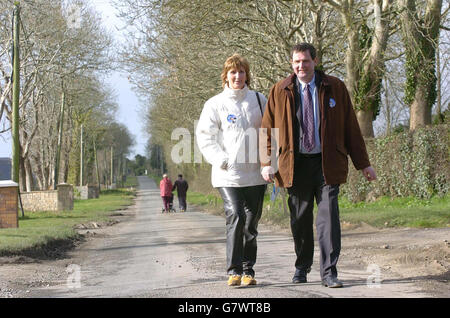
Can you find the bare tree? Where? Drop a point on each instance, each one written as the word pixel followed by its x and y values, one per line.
pixel 420 33
pixel 367 26
pixel 54 54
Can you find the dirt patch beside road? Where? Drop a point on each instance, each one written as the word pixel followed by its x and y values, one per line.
pixel 419 255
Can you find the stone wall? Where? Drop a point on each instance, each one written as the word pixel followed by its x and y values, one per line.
pixel 40 200
pixel 9 204
pixel 52 200
pixel 87 192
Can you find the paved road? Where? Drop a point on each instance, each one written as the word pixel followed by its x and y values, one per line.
pixel 183 255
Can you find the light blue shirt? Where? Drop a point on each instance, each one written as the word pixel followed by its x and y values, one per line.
pixel 315 97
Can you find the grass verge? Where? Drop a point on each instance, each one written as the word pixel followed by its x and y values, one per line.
pixel 398 212
pixel 131 182
pixel 384 212
pixel 42 232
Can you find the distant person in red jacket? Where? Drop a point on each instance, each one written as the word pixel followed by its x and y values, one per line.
pixel 181 186
pixel 165 187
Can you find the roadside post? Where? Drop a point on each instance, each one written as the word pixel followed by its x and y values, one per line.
pixel 9 199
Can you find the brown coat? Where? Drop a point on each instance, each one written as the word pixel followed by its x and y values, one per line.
pixel 339 130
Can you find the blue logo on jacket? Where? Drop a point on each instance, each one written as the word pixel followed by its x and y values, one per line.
pixel 231 118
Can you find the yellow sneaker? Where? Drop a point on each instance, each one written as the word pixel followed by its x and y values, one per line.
pixel 248 280
pixel 234 280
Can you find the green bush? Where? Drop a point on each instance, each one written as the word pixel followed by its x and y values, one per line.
pixel 407 165
pixel 412 186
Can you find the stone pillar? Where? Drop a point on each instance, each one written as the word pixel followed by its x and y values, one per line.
pixel 9 198
pixel 65 197
pixel 93 192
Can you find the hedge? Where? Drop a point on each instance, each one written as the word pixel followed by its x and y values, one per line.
pixel 407 165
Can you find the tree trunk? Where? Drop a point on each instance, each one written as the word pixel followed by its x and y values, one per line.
pixel 365 121
pixel 420 37
pixel 440 117
pixel 58 148
pixel 112 166
pixel 16 147
pixel 97 170
pixel 81 157
pixel 420 113
pixel 351 63
pixel 106 177
pixel 388 109
pixel 23 177
pixel 28 175
pixel 374 68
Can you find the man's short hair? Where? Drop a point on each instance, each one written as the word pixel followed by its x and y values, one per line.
pixel 302 47
pixel 180 176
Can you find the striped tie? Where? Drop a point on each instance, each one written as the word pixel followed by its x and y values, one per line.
pixel 308 120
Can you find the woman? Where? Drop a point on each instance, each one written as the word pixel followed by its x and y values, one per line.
pixel 227 136
pixel 165 187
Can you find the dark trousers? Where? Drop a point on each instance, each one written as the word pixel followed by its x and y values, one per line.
pixel 243 208
pixel 182 202
pixel 166 201
pixel 308 185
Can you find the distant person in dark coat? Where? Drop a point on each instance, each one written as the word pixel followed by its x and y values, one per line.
pixel 181 186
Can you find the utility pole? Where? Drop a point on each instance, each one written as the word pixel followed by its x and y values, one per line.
pixel 60 130
pixel 96 165
pixel 81 157
pixel 16 95
pixel 119 171
pixel 112 166
pixel 161 159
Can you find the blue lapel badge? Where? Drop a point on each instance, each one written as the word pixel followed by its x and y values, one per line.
pixel 332 103
pixel 231 118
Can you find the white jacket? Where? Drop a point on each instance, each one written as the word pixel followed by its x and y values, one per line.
pixel 226 121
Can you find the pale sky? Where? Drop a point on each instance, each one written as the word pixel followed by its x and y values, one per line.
pixel 129 112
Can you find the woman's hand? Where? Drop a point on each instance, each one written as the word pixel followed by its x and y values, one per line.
pixel 224 165
pixel 268 173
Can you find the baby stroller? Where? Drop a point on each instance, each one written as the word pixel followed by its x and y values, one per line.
pixel 171 208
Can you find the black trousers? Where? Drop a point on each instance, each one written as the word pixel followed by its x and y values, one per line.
pixel 309 184
pixel 182 202
pixel 243 208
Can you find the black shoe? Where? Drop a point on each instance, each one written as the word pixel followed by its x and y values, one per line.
pixel 300 276
pixel 331 282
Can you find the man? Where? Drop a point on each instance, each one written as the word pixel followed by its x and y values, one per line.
pixel 181 186
pixel 317 129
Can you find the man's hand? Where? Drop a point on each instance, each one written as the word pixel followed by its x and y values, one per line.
pixel 369 173
pixel 268 173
